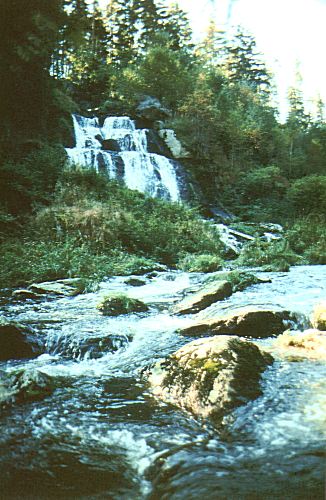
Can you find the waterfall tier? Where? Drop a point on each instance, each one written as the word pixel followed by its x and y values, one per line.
pixel 120 150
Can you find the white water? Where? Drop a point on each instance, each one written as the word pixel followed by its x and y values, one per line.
pixel 149 173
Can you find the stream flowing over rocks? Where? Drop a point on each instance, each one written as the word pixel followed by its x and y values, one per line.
pixel 80 417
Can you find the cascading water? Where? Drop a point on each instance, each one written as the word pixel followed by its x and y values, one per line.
pixel 130 160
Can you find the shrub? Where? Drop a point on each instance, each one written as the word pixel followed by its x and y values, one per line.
pixel 262 182
pixel 273 256
pixel 203 263
pixel 307 237
pixel 308 195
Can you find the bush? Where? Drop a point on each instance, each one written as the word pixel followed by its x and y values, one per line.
pixel 203 263
pixel 273 256
pixel 262 182
pixel 308 195
pixel 307 237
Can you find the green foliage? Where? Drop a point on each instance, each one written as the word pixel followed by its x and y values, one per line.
pixel 31 179
pixel 96 228
pixel 202 263
pixel 273 256
pixel 308 195
pixel 307 237
pixel 263 182
pixel 116 304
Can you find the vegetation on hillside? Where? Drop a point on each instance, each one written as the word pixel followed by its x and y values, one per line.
pixel 69 55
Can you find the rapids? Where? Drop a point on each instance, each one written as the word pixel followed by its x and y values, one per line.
pixel 102 435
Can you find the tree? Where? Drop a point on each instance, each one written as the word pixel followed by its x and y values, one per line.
pixel 244 64
pixel 28 36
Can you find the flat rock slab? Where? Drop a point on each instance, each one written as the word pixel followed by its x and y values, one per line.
pixel 210 377
pixel 205 297
pixel 65 287
pixel 245 322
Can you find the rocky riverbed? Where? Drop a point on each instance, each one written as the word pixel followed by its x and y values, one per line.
pixel 95 406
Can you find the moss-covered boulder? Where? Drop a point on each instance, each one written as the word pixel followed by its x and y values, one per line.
pixel 246 322
pixel 198 301
pixel 17 341
pixel 308 344
pixel 116 304
pixel 319 317
pixel 210 377
pixel 24 385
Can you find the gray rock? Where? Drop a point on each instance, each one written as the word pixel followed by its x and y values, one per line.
pixel 152 109
pixel 210 377
pixel 178 151
pixel 205 297
pixel 24 385
pixel 65 287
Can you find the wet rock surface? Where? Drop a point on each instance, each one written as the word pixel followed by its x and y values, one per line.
pixel 17 341
pixel 247 322
pixel 24 385
pixel 204 297
pixel 64 288
pixel 116 305
pixel 210 376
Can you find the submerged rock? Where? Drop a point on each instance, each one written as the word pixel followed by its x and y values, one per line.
pixel 24 385
pixel 247 322
pixel 116 304
pixel 205 297
pixel 135 282
pixel 210 377
pixel 308 344
pixel 319 317
pixel 17 341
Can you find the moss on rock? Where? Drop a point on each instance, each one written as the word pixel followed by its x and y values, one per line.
pixel 116 304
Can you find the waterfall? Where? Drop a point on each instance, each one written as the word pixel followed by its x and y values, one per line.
pixel 121 151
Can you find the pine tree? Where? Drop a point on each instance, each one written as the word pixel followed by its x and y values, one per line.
pixel 244 64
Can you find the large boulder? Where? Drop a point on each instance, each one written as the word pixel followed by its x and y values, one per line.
pixel 210 377
pixel 116 304
pixel 319 317
pixel 17 341
pixel 308 344
pixel 198 301
pixel 152 109
pixel 24 384
pixel 246 321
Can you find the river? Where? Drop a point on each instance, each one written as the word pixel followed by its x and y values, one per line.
pixel 101 434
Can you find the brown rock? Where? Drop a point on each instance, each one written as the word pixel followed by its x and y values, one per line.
pixel 204 298
pixel 211 376
pixel 247 322
pixel 308 344
pixel 319 317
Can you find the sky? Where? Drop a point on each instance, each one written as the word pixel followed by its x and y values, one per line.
pixel 290 34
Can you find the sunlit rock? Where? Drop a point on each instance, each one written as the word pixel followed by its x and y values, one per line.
pixel 17 341
pixel 211 376
pixel 246 321
pixel 319 317
pixel 198 301
pixel 308 344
